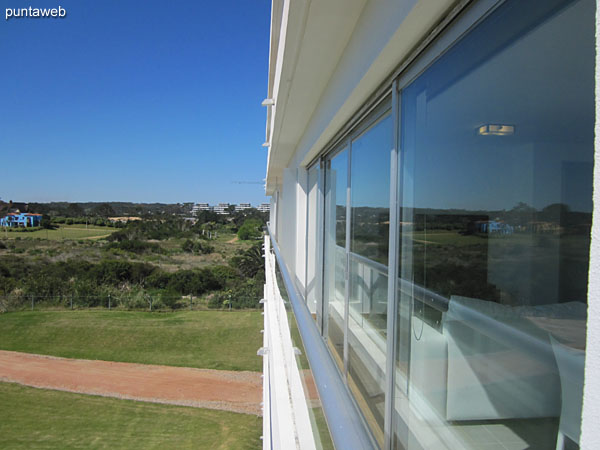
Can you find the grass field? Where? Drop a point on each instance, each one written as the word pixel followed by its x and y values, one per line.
pixel 203 339
pixel 39 418
pixel 447 238
pixel 64 232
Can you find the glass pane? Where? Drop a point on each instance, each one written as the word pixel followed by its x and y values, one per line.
pixel 369 193
pixel 497 138
pixel 335 254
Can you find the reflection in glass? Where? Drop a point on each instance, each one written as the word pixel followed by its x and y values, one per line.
pixel 369 193
pixel 336 182
pixel 495 230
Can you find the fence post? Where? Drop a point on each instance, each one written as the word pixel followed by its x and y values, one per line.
pixel 109 302
pixel 190 302
pixel 32 302
pixel 71 301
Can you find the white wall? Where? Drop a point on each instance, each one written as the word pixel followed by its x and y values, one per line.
pixel 590 431
pixel 301 200
pixel 287 218
pixel 385 34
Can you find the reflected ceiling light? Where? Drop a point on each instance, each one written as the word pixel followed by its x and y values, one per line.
pixel 496 130
pixel 268 102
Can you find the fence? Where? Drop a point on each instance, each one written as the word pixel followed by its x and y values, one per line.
pixel 138 301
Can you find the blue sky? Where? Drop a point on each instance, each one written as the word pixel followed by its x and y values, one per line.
pixel 144 101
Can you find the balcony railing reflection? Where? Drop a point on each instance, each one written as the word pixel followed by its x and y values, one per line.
pixel 470 359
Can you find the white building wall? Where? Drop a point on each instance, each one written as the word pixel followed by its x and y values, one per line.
pixel 273 214
pixel 590 432
pixel 301 198
pixel 384 34
pixel 376 33
pixel 287 218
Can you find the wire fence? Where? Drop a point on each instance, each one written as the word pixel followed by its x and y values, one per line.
pixel 138 301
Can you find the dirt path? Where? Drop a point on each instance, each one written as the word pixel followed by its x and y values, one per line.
pixel 215 389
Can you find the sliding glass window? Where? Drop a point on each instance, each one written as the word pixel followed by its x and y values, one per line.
pixel 368 277
pixel 496 207
pixel 356 255
pixel 334 272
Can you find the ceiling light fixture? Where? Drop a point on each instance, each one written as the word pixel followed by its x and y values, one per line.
pixel 496 130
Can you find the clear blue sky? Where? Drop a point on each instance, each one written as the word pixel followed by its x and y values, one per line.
pixel 144 101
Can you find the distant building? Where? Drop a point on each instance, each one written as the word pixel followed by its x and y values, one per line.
pixel 264 207
pixel 124 219
pixel 243 206
pixel 221 208
pixel 24 220
pixel 445 114
pixel 200 207
pixel 493 227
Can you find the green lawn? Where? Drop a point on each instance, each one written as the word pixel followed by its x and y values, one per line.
pixel 447 238
pixel 204 339
pixel 78 231
pixel 39 418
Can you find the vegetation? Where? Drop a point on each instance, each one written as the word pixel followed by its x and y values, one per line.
pixel 202 339
pixel 251 229
pixel 108 209
pixel 199 247
pixel 58 233
pixel 155 263
pixel 66 420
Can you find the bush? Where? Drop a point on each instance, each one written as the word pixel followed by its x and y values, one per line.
pixel 203 248
pixel 135 246
pixel 251 229
pixel 193 282
pixel 225 275
pixel 244 295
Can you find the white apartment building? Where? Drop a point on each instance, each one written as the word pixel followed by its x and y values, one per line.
pixel 242 207
pixel 221 208
pixel 432 168
pixel 264 207
pixel 200 207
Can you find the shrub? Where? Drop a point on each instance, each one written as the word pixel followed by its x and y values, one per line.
pixel 251 229
pixel 135 246
pixel 200 247
pixel 244 295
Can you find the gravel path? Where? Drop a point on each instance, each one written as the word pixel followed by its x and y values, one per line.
pixel 239 392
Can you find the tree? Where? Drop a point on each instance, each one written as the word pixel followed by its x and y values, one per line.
pixel 250 262
pixel 252 229
pixel 46 222
pixel 103 210
pixel 74 210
